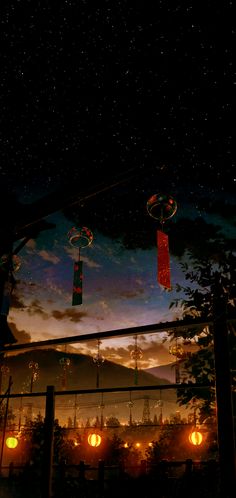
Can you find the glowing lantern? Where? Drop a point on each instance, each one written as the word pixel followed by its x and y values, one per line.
pixel 12 442
pixel 195 438
pixel 161 207
pixel 94 440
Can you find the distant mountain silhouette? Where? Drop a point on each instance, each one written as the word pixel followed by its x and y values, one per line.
pixel 81 374
pixel 164 372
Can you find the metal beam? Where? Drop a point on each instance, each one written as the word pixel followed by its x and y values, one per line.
pixel 142 329
pixel 68 196
pixel 113 390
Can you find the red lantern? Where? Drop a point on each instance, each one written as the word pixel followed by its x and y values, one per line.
pixel 94 440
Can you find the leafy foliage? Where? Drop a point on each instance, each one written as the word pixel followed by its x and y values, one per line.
pixel 212 275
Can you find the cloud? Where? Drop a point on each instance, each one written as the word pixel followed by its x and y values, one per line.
pixel 73 253
pixel 71 314
pixel 35 308
pixel 154 353
pixel 21 335
pixel 31 244
pixel 131 294
pixel 49 256
pixel 17 302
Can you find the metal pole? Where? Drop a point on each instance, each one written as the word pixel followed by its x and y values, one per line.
pixel 48 443
pixel 223 384
pixel 5 422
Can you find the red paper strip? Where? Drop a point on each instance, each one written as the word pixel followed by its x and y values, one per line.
pixel 77 283
pixel 163 259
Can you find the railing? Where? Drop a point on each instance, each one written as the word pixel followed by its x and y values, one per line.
pixel 168 479
pixel 223 387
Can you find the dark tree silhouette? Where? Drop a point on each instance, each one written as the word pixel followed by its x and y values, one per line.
pixel 210 261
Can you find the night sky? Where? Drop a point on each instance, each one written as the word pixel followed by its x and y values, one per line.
pixel 102 107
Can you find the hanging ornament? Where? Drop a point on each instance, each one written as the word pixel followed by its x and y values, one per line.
pixel 79 238
pixel 101 406
pixel 179 353
pixel 98 359
pixel 65 363
pixel 130 405
pixel 35 373
pixel 76 409
pixel 136 354
pixel 161 207
pixel 159 404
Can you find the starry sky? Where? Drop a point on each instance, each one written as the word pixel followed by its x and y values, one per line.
pixel 102 107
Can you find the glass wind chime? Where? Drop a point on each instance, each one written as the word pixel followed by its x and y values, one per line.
pixel 159 404
pixel 130 405
pixel 161 207
pixel 177 351
pixel 136 354
pixel 65 363
pixel 79 238
pixel 98 359
pixel 35 373
pixel 101 406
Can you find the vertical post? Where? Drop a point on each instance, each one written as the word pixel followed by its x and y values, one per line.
pixel 5 422
pixel 48 443
pixel 223 384
pixel 81 470
pixel 1 363
pixel 101 471
pixel 188 467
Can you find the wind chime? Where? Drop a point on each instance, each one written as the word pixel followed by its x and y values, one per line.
pixel 161 207
pixel 159 404
pixel 101 406
pixel 35 373
pixel 65 363
pixel 195 437
pixel 177 351
pixel 79 238
pixel 76 409
pixel 130 405
pixel 136 354
pixel 20 413
pixel 98 359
